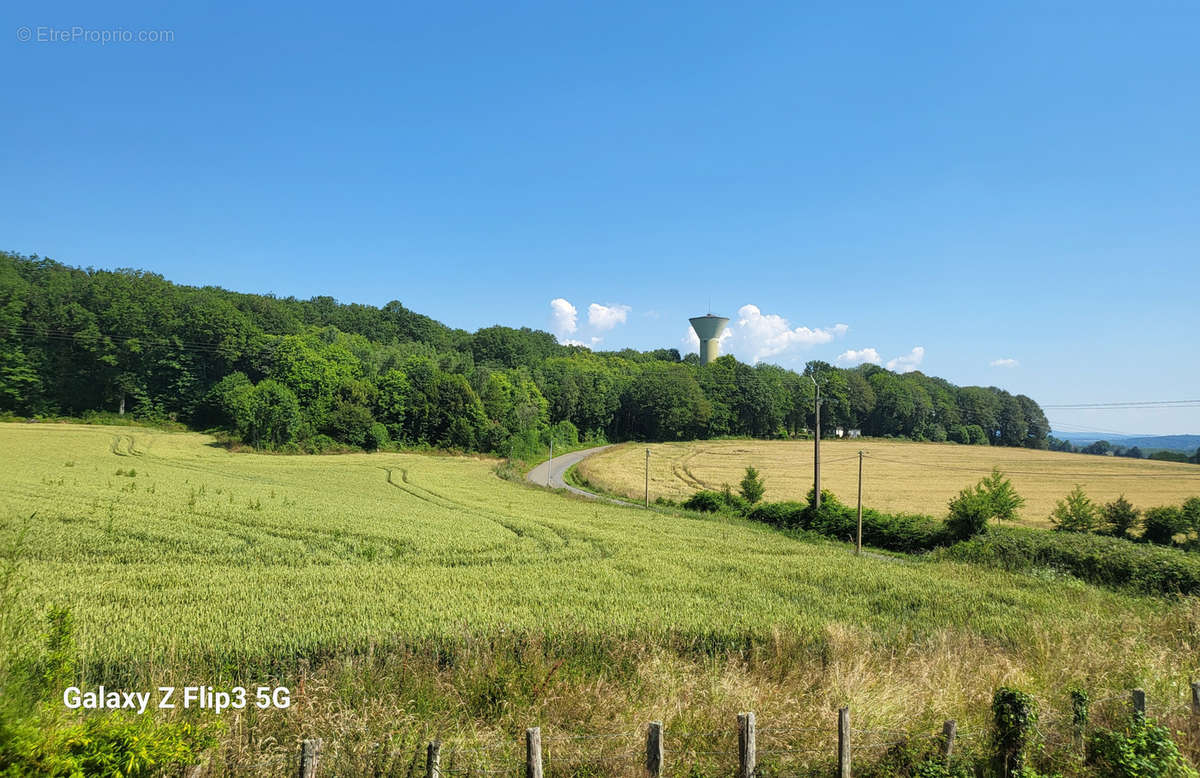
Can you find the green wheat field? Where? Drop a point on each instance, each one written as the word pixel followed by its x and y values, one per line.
pixel 414 595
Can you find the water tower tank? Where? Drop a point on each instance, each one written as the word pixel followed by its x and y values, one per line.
pixel 709 328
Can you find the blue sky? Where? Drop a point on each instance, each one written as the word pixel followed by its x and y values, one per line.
pixel 983 184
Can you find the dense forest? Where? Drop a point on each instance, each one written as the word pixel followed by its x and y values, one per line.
pixel 311 374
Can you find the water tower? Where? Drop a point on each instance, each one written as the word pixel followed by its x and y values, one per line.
pixel 709 328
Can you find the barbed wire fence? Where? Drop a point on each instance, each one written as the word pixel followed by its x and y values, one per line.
pixel 831 746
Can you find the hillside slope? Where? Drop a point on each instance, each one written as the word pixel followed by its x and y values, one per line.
pixel 418 595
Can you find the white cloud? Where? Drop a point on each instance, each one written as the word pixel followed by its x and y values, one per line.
pixel 1006 362
pixel 765 335
pixel 908 362
pixel 596 340
pixel 605 317
pixel 563 317
pixel 852 357
pixel 572 342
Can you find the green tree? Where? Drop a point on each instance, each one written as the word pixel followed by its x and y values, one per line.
pixel 969 514
pixel 1013 423
pixel 1120 517
pixel 1003 498
pixel 392 400
pixel 664 402
pixel 976 435
pixel 992 498
pixel 751 487
pixel 1075 513
pixel 1037 427
pixel 1162 524
pixel 227 404
pixel 980 407
pixel 1191 516
pixel 458 416
pixel 274 415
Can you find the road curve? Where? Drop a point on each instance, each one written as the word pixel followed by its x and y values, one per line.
pixel 551 473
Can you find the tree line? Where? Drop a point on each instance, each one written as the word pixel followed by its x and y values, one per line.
pixel 311 374
pixel 1104 448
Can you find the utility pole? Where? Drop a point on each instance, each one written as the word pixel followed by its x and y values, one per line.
pixel 647 478
pixel 817 450
pixel 858 541
pixel 550 462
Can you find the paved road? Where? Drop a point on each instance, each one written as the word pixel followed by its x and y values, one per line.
pixel 558 466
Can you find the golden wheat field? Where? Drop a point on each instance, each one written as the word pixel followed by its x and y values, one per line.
pixel 899 476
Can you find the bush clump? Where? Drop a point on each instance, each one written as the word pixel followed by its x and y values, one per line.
pixel 1098 559
pixel 725 501
pixel 1142 749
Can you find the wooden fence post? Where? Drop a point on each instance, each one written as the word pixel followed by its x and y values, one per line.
pixel 654 749
pixel 433 760
pixel 533 752
pixel 843 743
pixel 309 751
pixel 747 753
pixel 949 733
pixel 1138 698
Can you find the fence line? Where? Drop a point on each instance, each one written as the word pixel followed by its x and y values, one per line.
pixel 657 744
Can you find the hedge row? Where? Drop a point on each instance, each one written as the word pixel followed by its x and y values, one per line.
pixel 894 532
pixel 1098 559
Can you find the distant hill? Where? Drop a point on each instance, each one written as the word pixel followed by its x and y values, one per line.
pixel 1186 443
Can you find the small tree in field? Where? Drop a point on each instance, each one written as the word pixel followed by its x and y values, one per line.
pixel 1120 517
pixel 1191 516
pixel 969 513
pixel 1075 513
pixel 992 498
pixel 1162 524
pixel 752 486
pixel 1004 500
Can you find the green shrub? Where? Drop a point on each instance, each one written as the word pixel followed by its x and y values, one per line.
pixel 1191 516
pixel 1075 513
pixel 1142 749
pixel 992 498
pixel 969 513
pixel 43 738
pixel 1098 559
pixel 917 758
pixel 377 437
pixel 782 515
pixel 734 503
pixel 708 501
pixel 1015 716
pixel 976 435
pixel 1120 517
pixel 319 444
pixel 751 487
pixel 115 745
pixel 1162 524
pixel 899 532
pixel 705 501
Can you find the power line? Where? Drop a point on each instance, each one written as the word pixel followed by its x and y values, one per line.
pixel 77 335
pixel 1129 404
